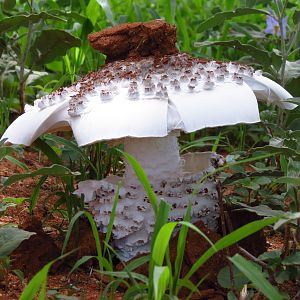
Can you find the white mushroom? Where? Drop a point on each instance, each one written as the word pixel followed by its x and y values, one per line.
pixel 144 102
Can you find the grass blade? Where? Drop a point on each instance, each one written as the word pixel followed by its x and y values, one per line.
pixel 162 242
pixel 161 278
pixel 48 151
pixel 36 192
pixel 256 276
pixel 111 219
pixel 16 162
pixel 54 170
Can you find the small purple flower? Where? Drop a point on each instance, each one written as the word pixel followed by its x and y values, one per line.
pixel 273 25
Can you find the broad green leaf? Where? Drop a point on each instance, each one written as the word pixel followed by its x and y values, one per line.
pixel 54 170
pixel 257 277
pixel 260 177
pixel 11 238
pixel 14 22
pixel 70 145
pixel 293 259
pixel 161 277
pixel 263 210
pixel 221 17
pixel 262 56
pixel 52 43
pixel 272 255
pixel 239 279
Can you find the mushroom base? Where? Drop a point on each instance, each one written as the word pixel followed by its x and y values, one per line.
pixel 134 220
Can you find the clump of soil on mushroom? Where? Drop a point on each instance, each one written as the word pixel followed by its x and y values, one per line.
pixel 135 39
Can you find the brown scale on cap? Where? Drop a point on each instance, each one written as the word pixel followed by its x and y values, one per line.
pixel 138 39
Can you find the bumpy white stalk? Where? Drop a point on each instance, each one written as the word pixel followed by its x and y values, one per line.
pixel 173 178
pixel 159 158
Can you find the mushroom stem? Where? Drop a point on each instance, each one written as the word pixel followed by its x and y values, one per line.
pixel 173 178
pixel 159 157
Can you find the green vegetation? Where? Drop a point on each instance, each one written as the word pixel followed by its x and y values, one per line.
pixel 262 167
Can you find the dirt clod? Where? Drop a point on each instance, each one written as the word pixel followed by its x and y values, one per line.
pixel 135 40
pixel 82 240
pixel 255 243
pixel 37 251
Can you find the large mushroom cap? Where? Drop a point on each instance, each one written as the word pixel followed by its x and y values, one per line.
pixel 151 91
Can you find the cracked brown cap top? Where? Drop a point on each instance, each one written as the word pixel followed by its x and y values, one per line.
pixel 138 39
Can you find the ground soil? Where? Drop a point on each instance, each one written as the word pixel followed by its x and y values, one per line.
pixel 49 226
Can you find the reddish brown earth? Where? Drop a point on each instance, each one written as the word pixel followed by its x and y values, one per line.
pixel 41 248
